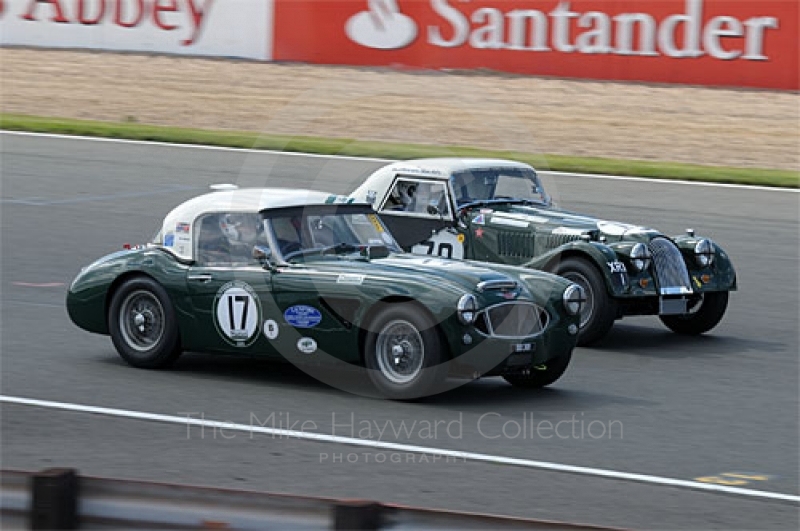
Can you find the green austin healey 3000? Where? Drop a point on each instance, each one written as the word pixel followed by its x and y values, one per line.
pixel 318 279
pixel 498 211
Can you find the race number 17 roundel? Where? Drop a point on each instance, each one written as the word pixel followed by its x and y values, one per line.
pixel 237 313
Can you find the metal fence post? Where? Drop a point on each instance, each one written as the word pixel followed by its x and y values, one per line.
pixel 54 501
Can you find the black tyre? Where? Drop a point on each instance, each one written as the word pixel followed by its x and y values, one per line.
pixel 403 353
pixel 542 377
pixel 702 317
pixel 600 311
pixel 142 324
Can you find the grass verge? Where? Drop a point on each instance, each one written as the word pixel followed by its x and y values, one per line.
pixel 344 146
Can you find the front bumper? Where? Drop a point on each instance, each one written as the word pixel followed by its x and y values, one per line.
pixel 493 356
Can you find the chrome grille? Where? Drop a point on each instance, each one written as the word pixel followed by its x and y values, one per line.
pixel 673 277
pixel 515 319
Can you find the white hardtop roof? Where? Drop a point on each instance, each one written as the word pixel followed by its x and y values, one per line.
pixel 251 200
pixel 437 169
pixel 442 168
pixel 178 228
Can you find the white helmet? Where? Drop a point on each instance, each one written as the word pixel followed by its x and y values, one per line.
pixel 403 193
pixel 233 226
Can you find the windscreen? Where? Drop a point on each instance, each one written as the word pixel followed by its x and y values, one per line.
pixel 309 232
pixel 498 184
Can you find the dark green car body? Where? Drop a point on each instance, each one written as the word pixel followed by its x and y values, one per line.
pixel 528 230
pixel 318 310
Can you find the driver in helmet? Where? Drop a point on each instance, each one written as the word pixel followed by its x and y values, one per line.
pixel 243 232
pixel 402 196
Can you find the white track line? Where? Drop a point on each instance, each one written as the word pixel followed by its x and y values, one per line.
pixel 189 146
pixel 383 445
pixel 369 159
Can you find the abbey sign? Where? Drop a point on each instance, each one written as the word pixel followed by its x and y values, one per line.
pixel 712 42
pixel 227 28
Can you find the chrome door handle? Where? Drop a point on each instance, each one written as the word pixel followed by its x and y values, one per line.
pixel 205 277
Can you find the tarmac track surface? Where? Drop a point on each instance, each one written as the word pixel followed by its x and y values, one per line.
pixel 723 407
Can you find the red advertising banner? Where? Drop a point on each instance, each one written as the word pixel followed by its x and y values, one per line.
pixel 744 43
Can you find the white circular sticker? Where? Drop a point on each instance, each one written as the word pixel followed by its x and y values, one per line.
pixel 237 313
pixel 306 345
pixel 271 329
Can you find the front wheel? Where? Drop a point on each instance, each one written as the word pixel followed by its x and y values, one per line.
pixel 404 353
pixel 705 315
pixel 542 376
pixel 599 311
pixel 142 324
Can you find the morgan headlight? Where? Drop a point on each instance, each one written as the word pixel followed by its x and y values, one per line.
pixel 704 253
pixel 640 257
pixel 574 298
pixel 467 308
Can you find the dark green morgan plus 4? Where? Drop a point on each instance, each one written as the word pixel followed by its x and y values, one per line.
pixel 318 280
pixel 498 211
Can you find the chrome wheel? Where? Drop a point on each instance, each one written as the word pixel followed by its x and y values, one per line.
pixel 588 307
pixel 400 352
pixel 141 320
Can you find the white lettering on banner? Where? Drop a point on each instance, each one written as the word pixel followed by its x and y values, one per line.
pixel 691 31
pixel 591 32
pixel 235 28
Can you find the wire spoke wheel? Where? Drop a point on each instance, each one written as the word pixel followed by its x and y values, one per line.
pixel 143 325
pixel 141 320
pixel 400 352
pixel 404 352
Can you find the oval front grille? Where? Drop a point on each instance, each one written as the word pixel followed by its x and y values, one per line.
pixel 515 319
pixel 673 277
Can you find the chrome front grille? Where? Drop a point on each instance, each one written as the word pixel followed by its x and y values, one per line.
pixel 513 320
pixel 673 277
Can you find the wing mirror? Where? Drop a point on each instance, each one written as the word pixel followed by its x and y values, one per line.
pixel 264 255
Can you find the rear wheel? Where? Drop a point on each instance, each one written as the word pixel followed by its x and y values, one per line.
pixel 543 376
pixel 702 317
pixel 599 311
pixel 142 324
pixel 403 353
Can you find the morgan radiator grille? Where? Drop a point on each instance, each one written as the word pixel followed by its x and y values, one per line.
pixel 673 277
pixel 528 245
pixel 518 245
pixel 513 320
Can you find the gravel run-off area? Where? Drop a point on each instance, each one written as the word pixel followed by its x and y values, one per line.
pixel 745 128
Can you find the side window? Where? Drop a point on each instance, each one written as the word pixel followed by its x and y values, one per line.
pixel 227 239
pixel 423 198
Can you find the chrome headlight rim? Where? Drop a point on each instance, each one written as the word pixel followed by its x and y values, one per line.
pixel 574 298
pixel 704 252
pixel 467 309
pixel 640 257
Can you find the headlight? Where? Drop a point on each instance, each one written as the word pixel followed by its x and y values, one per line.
pixel 640 257
pixel 467 308
pixel 704 253
pixel 574 297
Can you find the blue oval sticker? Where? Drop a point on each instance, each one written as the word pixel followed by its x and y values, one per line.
pixel 302 316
